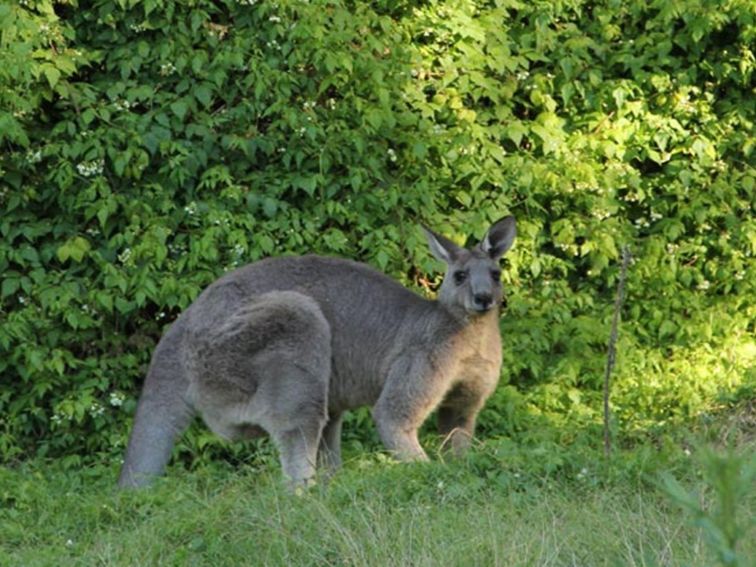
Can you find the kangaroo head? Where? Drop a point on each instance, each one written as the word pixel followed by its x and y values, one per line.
pixel 472 284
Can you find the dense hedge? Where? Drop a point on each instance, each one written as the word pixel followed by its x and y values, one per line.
pixel 150 145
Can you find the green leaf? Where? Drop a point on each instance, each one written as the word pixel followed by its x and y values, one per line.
pixel 515 131
pixel 308 184
pixel 420 150
pixel 180 108
pixel 51 74
pixel 87 116
pixel 203 93
pixel 105 300
pixel 120 163
pixel 123 306
pixel 270 207
pixel 666 329
pixel 75 249
pixel 10 286
pixel 382 259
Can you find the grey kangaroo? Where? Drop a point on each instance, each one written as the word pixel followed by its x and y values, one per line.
pixel 286 345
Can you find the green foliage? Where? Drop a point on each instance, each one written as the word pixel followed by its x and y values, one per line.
pixel 731 479
pixel 508 504
pixel 149 146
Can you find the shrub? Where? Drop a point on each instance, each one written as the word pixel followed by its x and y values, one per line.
pixel 152 145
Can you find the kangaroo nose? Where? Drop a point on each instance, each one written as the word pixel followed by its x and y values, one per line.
pixel 483 300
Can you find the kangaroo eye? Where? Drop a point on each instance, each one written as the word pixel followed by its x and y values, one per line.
pixel 496 275
pixel 460 276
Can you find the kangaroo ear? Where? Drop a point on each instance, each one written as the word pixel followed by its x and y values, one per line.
pixel 499 237
pixel 441 247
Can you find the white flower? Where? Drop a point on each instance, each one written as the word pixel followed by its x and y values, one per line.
pixel 167 69
pixel 124 256
pixel 274 19
pixel 391 154
pixel 601 214
pixel 90 168
pixel 191 209
pixel 175 248
pixel 122 104
pixel 116 399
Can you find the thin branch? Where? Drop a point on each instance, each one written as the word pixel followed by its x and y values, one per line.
pixel 612 349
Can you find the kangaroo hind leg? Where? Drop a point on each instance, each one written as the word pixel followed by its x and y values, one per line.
pixel 268 366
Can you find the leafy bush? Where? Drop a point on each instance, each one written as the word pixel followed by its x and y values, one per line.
pixel 152 145
pixel 730 477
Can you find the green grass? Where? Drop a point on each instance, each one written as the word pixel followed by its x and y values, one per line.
pixel 510 503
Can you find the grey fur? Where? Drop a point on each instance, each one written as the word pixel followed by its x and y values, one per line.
pixel 286 345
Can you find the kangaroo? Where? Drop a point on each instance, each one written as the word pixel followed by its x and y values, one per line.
pixel 286 345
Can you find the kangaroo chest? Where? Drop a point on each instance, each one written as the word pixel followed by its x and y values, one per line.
pixel 476 352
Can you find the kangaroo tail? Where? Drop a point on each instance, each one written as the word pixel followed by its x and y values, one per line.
pixel 162 415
